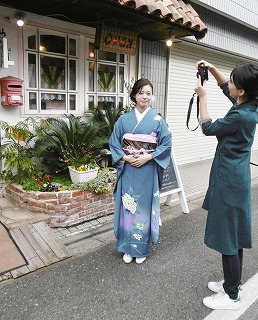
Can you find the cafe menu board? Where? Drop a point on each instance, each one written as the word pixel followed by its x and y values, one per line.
pixel 172 184
pixel 169 181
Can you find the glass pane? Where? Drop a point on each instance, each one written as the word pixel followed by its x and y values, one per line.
pixel 52 72
pixel 106 78
pixel 91 76
pixel 53 101
pixel 72 47
pixel 32 42
pixel 121 79
pixel 105 55
pixel 52 43
pixel 72 74
pixel 72 102
pixel 32 70
pixel 122 58
pixel 121 102
pixel 91 103
pixel 32 100
pixel 106 102
pixel 91 51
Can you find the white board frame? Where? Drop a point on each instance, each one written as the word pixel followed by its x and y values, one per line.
pixel 179 190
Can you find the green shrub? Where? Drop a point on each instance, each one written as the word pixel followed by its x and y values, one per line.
pixel 100 184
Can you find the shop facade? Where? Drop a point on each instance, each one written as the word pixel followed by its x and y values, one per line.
pixel 65 71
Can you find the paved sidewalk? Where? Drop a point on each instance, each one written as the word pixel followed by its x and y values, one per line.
pixel 194 178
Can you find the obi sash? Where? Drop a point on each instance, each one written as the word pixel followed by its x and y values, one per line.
pixel 139 143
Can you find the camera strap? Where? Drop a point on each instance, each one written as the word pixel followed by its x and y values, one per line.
pixel 190 110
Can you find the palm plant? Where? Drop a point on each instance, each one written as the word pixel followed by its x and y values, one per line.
pixel 108 117
pixel 69 142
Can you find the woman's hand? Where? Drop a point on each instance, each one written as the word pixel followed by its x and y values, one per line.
pixel 137 160
pixel 206 64
pixel 219 76
pixel 200 89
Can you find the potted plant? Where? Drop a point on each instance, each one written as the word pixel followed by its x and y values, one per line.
pixel 83 169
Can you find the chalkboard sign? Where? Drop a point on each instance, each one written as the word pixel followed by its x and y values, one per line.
pixel 169 181
pixel 172 184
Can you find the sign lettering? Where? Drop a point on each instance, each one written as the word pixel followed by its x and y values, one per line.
pixel 115 40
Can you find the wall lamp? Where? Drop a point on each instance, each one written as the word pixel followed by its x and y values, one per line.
pixel 20 18
pixel 169 42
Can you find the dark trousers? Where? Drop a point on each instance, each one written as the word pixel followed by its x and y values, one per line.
pixel 232 268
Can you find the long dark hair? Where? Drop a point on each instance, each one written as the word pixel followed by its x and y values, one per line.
pixel 245 76
pixel 137 87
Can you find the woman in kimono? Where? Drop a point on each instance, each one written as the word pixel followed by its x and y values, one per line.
pixel 141 147
pixel 228 198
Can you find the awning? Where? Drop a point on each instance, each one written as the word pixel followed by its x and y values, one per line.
pixel 150 19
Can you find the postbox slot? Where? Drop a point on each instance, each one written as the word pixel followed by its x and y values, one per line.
pixel 15 86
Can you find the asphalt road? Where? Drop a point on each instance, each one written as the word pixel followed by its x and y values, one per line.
pixel 96 284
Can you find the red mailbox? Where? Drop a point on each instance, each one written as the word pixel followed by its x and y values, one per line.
pixel 11 91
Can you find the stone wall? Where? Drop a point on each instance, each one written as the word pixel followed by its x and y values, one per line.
pixel 65 208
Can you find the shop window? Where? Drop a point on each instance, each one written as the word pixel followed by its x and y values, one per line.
pixel 106 79
pixel 51 65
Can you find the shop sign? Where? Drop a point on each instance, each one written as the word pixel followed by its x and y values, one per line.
pixel 115 40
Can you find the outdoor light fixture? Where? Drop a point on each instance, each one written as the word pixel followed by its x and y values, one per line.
pixel 169 42
pixel 20 18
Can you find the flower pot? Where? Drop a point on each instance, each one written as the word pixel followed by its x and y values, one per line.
pixel 82 176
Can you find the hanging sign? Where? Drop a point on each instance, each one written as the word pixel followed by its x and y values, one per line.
pixel 115 40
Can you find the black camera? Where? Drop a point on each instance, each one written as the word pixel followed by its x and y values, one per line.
pixel 203 72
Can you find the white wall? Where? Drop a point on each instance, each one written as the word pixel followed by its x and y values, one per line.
pixel 242 11
pixel 13 114
pixel 13 34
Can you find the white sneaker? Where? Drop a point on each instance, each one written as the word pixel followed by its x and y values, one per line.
pixel 218 286
pixel 127 258
pixel 140 260
pixel 221 301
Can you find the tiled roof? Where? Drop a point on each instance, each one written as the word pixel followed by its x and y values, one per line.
pixel 176 11
pixel 150 19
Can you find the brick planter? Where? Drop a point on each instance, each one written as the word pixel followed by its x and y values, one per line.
pixel 66 208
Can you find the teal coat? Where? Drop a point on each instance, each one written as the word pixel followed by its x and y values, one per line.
pixel 228 198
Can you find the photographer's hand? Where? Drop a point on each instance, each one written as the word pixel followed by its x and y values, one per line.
pixel 206 64
pixel 201 91
pixel 218 75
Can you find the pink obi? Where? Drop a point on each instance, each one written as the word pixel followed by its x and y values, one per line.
pixel 134 143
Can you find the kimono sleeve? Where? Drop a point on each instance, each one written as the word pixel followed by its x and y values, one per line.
pixel 163 151
pixel 115 142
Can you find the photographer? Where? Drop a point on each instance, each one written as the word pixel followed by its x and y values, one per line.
pixel 228 198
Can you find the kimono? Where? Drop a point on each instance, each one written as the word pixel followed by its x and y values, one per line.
pixel 228 198
pixel 136 195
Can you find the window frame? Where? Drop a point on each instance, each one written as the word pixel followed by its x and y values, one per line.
pixel 95 94
pixel 38 90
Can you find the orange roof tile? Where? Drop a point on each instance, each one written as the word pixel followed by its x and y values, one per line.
pixel 177 11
